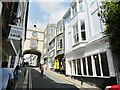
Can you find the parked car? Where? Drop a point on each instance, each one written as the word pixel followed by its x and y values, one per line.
pixel 113 87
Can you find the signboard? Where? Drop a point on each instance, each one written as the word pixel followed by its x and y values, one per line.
pixel 15 32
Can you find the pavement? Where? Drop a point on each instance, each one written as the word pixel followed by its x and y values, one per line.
pixel 23 81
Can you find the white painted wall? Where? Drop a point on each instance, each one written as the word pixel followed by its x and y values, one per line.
pixel 94 43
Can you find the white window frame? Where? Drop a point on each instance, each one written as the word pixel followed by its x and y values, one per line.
pixel 75 33
pixel 83 30
pixel 60 28
pixel 81 3
pixel 74 9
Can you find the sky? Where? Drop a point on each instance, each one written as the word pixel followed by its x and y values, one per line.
pixel 43 12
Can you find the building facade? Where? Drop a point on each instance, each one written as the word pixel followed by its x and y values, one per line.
pixel 50 45
pixel 87 50
pixel 59 61
pixel 14 23
pixel 34 42
pixel 53 53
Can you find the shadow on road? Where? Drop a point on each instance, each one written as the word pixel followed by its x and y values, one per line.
pixel 39 81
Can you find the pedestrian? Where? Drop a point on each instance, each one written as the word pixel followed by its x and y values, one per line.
pixel 40 66
pixel 42 69
pixel 16 73
pixel 6 77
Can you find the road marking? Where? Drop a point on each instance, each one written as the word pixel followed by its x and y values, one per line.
pixel 25 81
pixel 30 81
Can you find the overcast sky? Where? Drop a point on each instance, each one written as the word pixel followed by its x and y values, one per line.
pixel 43 12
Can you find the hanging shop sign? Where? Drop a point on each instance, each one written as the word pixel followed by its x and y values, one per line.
pixel 15 32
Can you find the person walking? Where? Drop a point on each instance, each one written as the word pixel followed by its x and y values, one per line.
pixel 6 77
pixel 16 75
pixel 42 69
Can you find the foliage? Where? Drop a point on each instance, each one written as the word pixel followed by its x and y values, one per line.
pixel 110 15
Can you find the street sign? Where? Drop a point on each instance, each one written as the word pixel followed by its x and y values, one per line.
pixel 15 32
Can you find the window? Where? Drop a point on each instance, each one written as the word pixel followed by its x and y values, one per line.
pixel 81 8
pixel 74 9
pixel 60 43
pixel 79 66
pixel 75 33
pixel 60 28
pixel 97 64
pixel 104 63
pixel 89 65
pixel 83 32
pixel 34 43
pixel 74 65
pixel 70 66
pixel 84 66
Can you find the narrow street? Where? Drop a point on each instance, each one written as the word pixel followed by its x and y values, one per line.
pixel 49 80
pixel 76 42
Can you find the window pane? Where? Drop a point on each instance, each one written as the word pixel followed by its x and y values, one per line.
pixel 70 65
pixel 82 25
pixel 77 37
pixel 83 35
pixel 60 43
pixel 74 65
pixel 104 63
pixel 74 8
pixel 89 65
pixel 79 66
pixel 81 6
pixel 76 34
pixel 84 66
pixel 97 65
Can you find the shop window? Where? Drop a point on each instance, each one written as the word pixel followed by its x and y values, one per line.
pixel 84 66
pixel 79 66
pixel 104 63
pixel 89 65
pixel 97 64
pixel 74 65
pixel 71 66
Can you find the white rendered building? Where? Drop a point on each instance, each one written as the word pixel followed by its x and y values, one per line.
pixel 86 47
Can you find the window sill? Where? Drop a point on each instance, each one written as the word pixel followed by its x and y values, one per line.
pixel 81 42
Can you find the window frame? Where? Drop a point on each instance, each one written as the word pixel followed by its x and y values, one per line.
pixel 74 9
pixel 83 30
pixel 75 33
